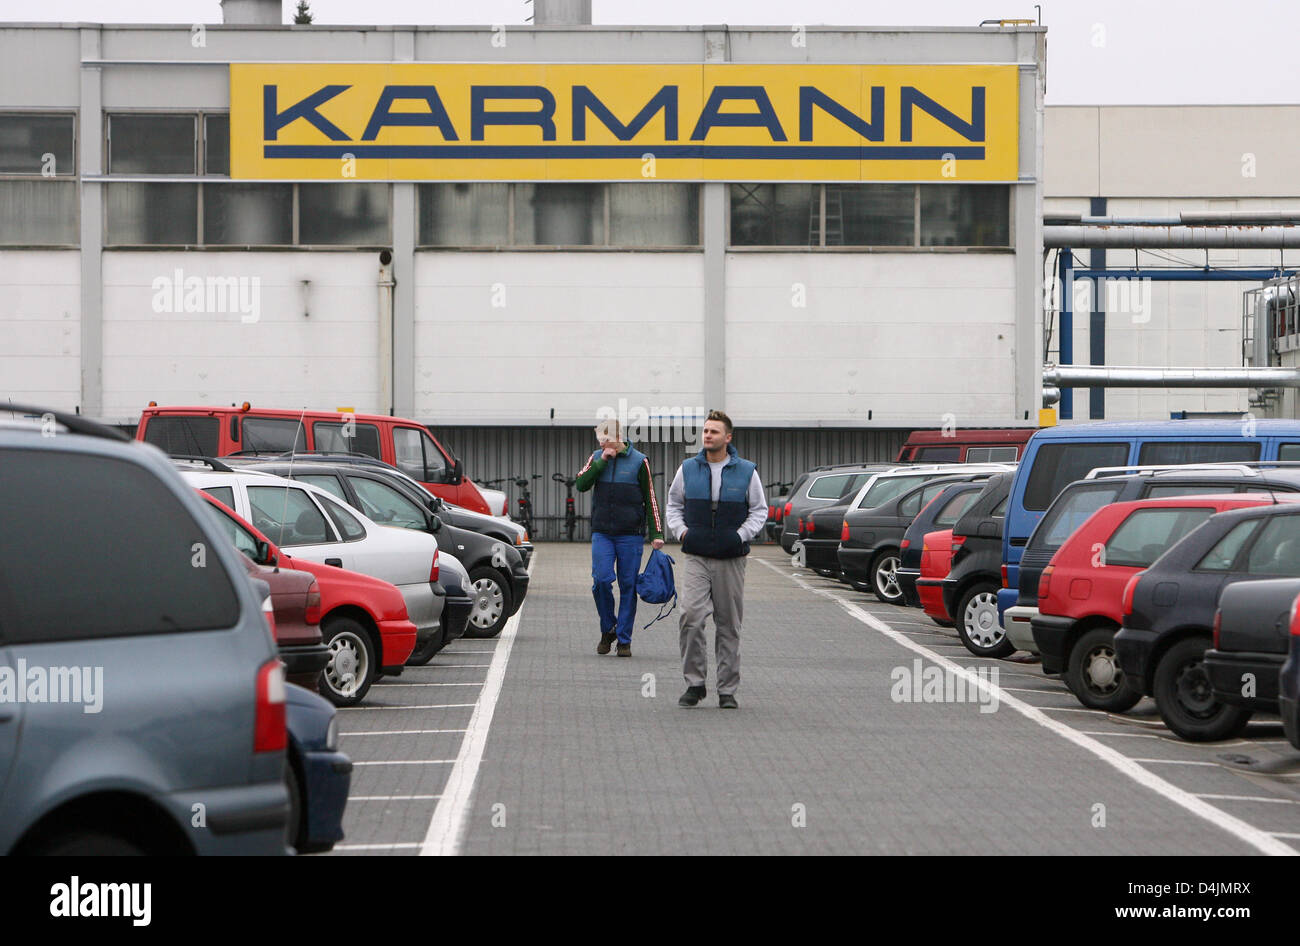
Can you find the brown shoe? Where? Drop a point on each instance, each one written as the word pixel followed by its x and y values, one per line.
pixel 606 640
pixel 625 650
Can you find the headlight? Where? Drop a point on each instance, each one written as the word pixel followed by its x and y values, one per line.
pixel 332 735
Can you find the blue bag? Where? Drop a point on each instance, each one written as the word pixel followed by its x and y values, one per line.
pixel 655 585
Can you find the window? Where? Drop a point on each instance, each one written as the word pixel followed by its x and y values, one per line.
pixel 829 487
pixel 910 506
pixel 1225 551
pixel 243 540
pixel 351 213
pixel 1277 550
pixel 153 144
pixel 1071 511
pixel 326 481
pixel 992 454
pixel 38 145
pixel 38 213
pixel 559 215
pixel 333 437
pixel 265 435
pixel 954 509
pixel 346 522
pixel 387 506
pixel 190 436
pixel 216 144
pixel 939 454
pixel 417 456
pixel 248 214
pixel 884 215
pixel 1148 533
pixel 654 214
pixel 97 547
pixel 287 516
pixel 1000 510
pixel 151 214
pixel 464 214
pixel 1288 451
pixel 1210 451
pixel 1055 465
pixel 885 489
pixel 222 494
pixel 1156 490
pixel 38 204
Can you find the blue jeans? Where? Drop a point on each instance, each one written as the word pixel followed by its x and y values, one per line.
pixel 613 555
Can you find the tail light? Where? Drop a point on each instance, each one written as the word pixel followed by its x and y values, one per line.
pixel 906 544
pixel 1126 603
pixel 787 507
pixel 957 542
pixel 1005 582
pixel 1044 582
pixel 771 512
pixel 801 525
pixel 313 603
pixel 844 531
pixel 1295 628
pixel 268 612
pixel 433 569
pixel 269 733
pixel 1218 623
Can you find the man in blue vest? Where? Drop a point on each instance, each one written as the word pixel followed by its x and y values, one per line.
pixel 623 506
pixel 716 506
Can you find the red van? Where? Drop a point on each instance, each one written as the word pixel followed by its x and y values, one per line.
pixel 1080 593
pixel 968 445
pixel 227 431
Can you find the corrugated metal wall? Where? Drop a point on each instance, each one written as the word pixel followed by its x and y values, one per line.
pixel 781 454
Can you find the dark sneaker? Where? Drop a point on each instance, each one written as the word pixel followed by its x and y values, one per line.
pixel 605 641
pixel 692 696
pixel 727 701
pixel 625 650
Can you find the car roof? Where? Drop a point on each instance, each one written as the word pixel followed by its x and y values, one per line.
pixel 1205 499
pixel 1169 428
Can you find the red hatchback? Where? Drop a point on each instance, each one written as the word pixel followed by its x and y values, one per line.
pixel 1081 591
pixel 360 616
pixel 936 561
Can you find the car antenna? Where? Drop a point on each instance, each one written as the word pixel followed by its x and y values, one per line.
pixel 293 452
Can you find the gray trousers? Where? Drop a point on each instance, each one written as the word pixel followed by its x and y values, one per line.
pixel 711 586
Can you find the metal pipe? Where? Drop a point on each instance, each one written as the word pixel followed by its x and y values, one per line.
pixel 1172 238
pixel 1108 376
pixel 1218 218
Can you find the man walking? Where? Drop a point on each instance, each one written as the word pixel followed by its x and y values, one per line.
pixel 716 506
pixel 622 507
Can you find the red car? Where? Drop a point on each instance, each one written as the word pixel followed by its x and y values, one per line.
pixel 359 615
pixel 936 560
pixel 1081 590
pixel 295 605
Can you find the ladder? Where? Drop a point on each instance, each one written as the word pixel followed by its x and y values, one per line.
pixel 834 217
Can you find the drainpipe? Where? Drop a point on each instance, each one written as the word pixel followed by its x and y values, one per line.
pixel 386 284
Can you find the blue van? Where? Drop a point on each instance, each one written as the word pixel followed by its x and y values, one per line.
pixel 1057 456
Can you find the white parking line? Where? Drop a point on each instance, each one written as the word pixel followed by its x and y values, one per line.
pixel 1122 735
pixel 450 666
pixel 410 762
pixel 374 847
pixel 1271 801
pixel 352 798
pixel 447 827
pixel 345 709
pixel 470 684
pixel 1251 835
pixel 1172 762
pixel 397 732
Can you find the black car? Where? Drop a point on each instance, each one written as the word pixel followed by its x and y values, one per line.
pixel 970 592
pixel 1082 498
pixel 496 570
pixel 871 539
pixel 1252 633
pixel 940 514
pixel 1169 612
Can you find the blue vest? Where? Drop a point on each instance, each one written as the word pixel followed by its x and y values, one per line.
pixel 617 507
pixel 709 532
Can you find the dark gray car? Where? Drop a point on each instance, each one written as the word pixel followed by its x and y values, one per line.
pixel 142 703
pixel 821 487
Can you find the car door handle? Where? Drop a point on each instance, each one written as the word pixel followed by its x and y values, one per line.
pixel 336 562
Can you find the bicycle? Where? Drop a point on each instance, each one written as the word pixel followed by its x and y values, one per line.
pixel 570 510
pixel 526 502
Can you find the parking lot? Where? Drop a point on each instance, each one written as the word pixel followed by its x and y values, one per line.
pixel 569 752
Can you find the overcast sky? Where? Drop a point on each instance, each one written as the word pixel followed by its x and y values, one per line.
pixel 1099 51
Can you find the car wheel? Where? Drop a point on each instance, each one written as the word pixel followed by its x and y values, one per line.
pixel 352 667
pixel 977 622
pixel 1186 700
pixel 884 576
pixel 293 827
pixel 491 602
pixel 1093 674
pixel 826 572
pixel 943 622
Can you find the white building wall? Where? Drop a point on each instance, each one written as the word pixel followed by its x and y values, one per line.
pixel 313 345
pixel 504 338
pixel 40 327
pixel 908 337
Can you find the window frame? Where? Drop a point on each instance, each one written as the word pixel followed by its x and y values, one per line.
pixel 67 178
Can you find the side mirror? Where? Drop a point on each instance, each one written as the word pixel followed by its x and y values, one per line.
pixel 435 524
pixel 264 554
pixel 457 472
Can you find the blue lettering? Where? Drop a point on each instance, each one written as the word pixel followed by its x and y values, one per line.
pixel 712 117
pixel 480 117
pixel 664 100
pixel 273 119
pixel 910 98
pixel 810 96
pixel 435 117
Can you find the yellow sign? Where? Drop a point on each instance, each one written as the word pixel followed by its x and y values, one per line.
pixel 526 122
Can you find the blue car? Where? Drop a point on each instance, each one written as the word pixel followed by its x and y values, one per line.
pixel 320 774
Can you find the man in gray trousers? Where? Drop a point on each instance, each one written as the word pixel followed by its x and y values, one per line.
pixel 716 506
